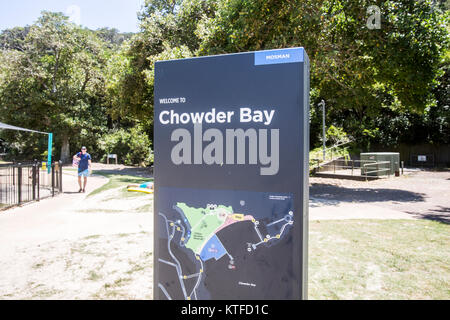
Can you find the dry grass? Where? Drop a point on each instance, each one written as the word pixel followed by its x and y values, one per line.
pixel 95 267
pixel 379 259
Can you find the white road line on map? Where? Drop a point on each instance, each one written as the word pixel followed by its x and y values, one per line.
pixel 257 244
pixel 282 228
pixel 178 267
pixel 271 237
pixel 192 276
pixel 198 280
pixel 259 234
pixel 178 263
pixel 167 262
pixel 164 291
pixel 275 222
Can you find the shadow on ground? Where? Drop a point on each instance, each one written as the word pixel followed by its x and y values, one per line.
pixel 362 195
pixel 440 214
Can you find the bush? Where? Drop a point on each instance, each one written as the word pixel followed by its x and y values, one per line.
pixel 132 146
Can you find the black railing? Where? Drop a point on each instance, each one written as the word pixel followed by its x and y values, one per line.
pixel 348 167
pixel 25 182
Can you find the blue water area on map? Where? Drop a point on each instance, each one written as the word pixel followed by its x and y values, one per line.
pixel 213 249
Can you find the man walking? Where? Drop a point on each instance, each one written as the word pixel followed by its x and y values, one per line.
pixel 84 167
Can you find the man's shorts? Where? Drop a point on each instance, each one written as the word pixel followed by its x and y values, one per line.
pixel 84 173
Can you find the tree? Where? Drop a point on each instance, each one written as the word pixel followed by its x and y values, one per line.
pixel 56 82
pixel 13 39
pixel 359 71
pixel 167 32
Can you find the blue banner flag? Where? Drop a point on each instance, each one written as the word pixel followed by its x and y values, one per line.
pixel 49 156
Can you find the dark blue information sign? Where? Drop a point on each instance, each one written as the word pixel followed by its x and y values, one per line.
pixel 231 176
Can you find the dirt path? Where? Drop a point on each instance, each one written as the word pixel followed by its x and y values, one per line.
pixel 68 216
pixel 77 246
pixel 416 195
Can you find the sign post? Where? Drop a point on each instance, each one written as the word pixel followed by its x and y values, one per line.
pixel 49 153
pixel 231 176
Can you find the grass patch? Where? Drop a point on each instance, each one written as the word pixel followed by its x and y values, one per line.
pixel 132 194
pixel 123 235
pixel 136 268
pixel 94 276
pixel 38 265
pixel 45 293
pixel 2 205
pixel 122 281
pixel 145 208
pixel 379 259
pixel 116 181
pixel 96 236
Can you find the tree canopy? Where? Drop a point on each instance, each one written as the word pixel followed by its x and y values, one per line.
pixel 388 84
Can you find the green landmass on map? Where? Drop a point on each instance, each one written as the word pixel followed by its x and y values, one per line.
pixel 203 222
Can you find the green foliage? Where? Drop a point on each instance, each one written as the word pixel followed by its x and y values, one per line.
pixel 55 84
pixel 131 146
pixel 383 86
pixel 359 72
pixel 336 135
pixel 316 155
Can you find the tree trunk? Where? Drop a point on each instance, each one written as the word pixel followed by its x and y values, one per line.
pixel 65 149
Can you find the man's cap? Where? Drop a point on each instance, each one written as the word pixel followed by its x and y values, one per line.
pixel 83 148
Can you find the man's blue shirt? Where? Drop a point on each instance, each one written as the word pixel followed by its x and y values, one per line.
pixel 84 162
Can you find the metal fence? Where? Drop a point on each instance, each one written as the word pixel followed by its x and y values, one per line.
pixel 26 182
pixel 362 168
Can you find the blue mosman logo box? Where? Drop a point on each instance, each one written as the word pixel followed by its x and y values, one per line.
pixel 231 176
pixel 278 56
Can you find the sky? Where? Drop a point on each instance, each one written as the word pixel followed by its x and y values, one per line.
pixel 94 14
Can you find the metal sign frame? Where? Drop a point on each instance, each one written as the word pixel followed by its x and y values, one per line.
pixel 231 176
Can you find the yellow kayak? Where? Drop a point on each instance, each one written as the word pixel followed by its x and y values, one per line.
pixel 144 190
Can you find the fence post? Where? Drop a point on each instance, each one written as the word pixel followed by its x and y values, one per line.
pixel 33 179
pixel 38 168
pixel 402 166
pixel 60 176
pixel 352 166
pixel 19 183
pixel 53 179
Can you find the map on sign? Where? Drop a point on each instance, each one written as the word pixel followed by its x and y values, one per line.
pixel 215 239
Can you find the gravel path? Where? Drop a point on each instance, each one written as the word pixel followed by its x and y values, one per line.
pixel 416 195
pixel 76 246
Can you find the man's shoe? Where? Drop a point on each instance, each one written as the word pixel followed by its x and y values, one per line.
pixel 80 190
pixel 84 190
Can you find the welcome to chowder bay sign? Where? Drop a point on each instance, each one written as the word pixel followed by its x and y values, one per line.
pixel 231 176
